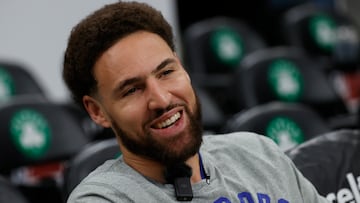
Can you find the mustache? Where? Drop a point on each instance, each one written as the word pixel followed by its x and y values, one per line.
pixel 160 112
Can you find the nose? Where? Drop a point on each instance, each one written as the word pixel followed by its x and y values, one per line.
pixel 158 95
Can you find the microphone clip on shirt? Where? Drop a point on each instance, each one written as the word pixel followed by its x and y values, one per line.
pixel 179 175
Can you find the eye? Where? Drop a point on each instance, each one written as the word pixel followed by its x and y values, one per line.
pixel 130 91
pixel 166 72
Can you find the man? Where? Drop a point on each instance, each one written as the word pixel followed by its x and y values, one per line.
pixel 121 65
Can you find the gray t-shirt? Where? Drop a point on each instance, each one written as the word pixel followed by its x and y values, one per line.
pixel 243 167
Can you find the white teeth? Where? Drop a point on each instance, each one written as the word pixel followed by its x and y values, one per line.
pixel 169 121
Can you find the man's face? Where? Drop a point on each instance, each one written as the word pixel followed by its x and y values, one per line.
pixel 146 96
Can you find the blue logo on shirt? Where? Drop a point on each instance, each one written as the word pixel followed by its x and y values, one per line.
pixel 245 197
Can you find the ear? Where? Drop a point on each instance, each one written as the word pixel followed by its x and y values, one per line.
pixel 95 111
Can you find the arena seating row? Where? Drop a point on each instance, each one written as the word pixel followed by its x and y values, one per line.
pixel 303 93
pixel 288 92
pixel 317 65
pixel 38 137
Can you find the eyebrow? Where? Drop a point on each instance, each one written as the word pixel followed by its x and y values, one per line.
pixel 133 80
pixel 163 65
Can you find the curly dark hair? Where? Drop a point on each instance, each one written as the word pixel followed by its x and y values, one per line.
pixel 98 32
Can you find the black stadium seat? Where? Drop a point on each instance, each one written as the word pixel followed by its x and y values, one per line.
pixel 323 34
pixel 331 162
pixel 37 138
pixel 92 156
pixel 288 124
pixel 332 38
pixel 286 74
pixel 16 80
pixel 217 45
pixel 212 50
pixel 213 117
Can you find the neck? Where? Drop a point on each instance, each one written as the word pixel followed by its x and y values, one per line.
pixel 193 162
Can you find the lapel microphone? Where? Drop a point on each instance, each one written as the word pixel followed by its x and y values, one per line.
pixel 179 175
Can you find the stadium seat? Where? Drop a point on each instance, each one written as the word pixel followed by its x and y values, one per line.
pixel 331 37
pixel 92 156
pixel 37 138
pixel 213 118
pixel 286 74
pixel 323 34
pixel 331 162
pixel 212 50
pixel 288 124
pixel 92 130
pixel 15 80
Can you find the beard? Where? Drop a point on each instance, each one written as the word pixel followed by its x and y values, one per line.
pixel 165 152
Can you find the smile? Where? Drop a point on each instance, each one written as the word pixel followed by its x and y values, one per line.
pixel 168 121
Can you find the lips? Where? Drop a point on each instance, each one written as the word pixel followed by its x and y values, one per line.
pixel 168 122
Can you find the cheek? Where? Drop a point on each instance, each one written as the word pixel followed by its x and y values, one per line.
pixel 193 102
pixel 188 94
pixel 128 117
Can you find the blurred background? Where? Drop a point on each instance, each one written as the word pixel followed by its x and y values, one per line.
pixel 287 69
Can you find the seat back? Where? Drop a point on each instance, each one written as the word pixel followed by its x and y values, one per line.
pixel 331 162
pixel 34 132
pixel 332 38
pixel 92 130
pixel 323 34
pixel 92 156
pixel 17 80
pixel 217 45
pixel 37 138
pixel 288 124
pixel 213 118
pixel 212 50
pixel 286 74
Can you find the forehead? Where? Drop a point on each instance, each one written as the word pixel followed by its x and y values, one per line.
pixel 138 51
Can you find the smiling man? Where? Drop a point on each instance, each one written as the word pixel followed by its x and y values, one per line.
pixel 146 96
pixel 121 66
